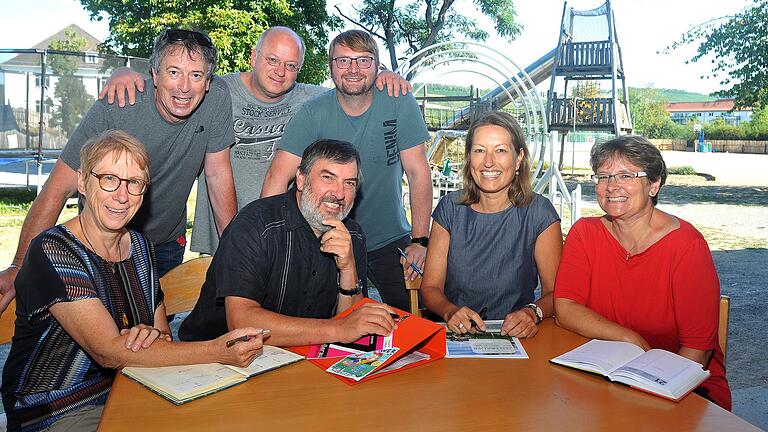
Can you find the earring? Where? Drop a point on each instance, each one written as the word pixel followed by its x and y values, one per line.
pixel 517 172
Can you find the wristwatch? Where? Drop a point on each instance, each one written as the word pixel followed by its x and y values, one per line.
pixel 354 291
pixel 536 311
pixel 424 241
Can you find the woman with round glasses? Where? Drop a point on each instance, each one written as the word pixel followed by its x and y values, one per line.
pixel 493 241
pixel 88 302
pixel 638 274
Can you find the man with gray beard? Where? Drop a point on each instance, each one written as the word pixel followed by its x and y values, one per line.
pixel 290 262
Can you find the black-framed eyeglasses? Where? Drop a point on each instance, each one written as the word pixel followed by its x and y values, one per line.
pixel 620 178
pixel 179 35
pixel 362 62
pixel 275 63
pixel 111 182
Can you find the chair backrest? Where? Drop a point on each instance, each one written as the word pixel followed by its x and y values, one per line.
pixel 7 323
pixel 182 285
pixel 413 287
pixel 722 331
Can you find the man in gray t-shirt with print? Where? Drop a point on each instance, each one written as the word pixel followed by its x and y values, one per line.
pixel 263 102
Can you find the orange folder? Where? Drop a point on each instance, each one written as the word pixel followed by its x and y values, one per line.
pixel 412 334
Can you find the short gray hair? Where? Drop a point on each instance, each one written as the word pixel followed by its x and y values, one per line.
pixel 260 42
pixel 638 151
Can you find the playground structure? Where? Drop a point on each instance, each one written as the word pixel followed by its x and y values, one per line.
pixel 587 49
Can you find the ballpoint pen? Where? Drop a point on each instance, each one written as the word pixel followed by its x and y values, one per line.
pixel 483 315
pixel 243 338
pixel 413 265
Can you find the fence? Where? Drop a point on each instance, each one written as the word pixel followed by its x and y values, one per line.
pixel 718 146
pixel 45 93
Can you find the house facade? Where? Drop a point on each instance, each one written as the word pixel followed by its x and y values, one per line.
pixel 707 112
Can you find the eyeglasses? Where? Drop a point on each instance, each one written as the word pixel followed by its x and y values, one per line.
pixel 275 62
pixel 362 62
pixel 179 35
pixel 111 182
pixel 619 178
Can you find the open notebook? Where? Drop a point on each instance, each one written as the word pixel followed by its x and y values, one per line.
pixel 655 371
pixel 181 384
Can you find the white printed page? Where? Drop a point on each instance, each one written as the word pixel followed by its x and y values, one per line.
pixel 184 381
pixel 664 370
pixel 600 356
pixel 270 358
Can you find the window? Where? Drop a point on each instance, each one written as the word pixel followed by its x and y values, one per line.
pixel 46 106
pixel 47 81
pixel 90 58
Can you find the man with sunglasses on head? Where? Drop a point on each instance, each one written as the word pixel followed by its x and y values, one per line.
pixel 182 137
pixel 389 134
pixel 264 99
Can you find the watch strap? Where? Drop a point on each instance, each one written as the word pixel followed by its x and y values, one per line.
pixel 354 291
pixel 537 312
pixel 423 241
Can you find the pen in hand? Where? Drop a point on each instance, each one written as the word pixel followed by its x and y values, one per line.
pixel 413 265
pixel 483 315
pixel 244 338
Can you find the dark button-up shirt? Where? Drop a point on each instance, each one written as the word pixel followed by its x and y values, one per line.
pixel 270 254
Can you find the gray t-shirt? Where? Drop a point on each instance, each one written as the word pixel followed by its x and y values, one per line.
pixel 258 127
pixel 490 257
pixel 388 127
pixel 176 152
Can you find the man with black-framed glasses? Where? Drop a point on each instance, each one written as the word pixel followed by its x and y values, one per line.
pixel 389 134
pixel 181 135
pixel 264 99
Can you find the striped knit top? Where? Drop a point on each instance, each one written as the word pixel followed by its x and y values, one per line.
pixel 47 374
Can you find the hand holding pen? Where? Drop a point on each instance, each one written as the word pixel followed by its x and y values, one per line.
pixel 239 347
pixel 465 320
pixel 413 265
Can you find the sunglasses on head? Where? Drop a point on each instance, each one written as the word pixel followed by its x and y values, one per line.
pixel 178 35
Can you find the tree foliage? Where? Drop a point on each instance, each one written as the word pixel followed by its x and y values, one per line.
pixel 650 117
pixel 234 26
pixel 740 46
pixel 421 23
pixel 70 91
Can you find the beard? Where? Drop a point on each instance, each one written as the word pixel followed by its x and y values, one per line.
pixel 356 89
pixel 309 205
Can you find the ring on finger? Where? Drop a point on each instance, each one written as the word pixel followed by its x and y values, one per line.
pixel 461 325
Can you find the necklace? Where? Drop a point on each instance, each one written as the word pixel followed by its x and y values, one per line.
pixel 637 242
pixel 119 252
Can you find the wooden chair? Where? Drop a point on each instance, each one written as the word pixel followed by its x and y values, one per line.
pixel 413 287
pixel 722 331
pixel 7 322
pixel 183 283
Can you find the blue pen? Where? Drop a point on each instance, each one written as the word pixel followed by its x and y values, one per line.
pixel 413 265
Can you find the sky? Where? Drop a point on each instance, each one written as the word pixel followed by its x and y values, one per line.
pixel 644 27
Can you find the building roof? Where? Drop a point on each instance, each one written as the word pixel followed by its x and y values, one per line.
pixel 27 60
pixel 717 105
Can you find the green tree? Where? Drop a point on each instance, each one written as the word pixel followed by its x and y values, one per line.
pixel 70 91
pixel 740 46
pixel 421 23
pixel 234 26
pixel 650 117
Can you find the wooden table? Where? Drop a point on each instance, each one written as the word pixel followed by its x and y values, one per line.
pixel 446 395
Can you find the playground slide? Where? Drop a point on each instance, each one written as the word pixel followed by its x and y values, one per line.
pixel 539 70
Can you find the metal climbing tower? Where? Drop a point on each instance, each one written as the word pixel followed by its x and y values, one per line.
pixel 588 49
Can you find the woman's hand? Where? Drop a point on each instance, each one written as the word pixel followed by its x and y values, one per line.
pixel 520 323
pixel 248 346
pixel 633 337
pixel 142 336
pixel 461 320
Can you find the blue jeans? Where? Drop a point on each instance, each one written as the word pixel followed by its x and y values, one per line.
pixel 168 255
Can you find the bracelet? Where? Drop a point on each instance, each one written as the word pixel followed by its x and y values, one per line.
pixel 13 266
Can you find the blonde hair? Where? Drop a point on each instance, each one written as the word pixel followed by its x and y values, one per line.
pixel 117 142
pixel 356 40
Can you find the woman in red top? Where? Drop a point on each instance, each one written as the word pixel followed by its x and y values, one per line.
pixel 638 274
